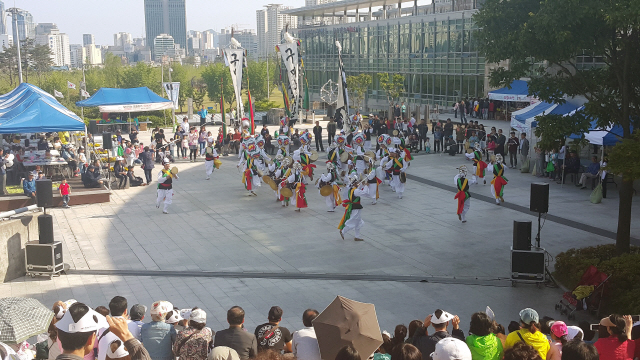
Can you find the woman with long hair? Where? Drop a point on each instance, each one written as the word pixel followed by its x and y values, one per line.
pixel 618 345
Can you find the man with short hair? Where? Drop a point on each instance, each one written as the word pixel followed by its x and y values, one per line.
pixel 203 116
pixel 117 308
pixel 184 127
pixel 136 314
pixel 523 148
pixel 147 163
pixel 243 342
pixel 513 145
pixel 29 187
pixel 272 336
pixel 439 320
pixel 305 343
pixel 317 132
pixel 331 131
pixel 500 142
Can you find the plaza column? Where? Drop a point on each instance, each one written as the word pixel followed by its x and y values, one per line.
pixel 399 9
pixel 418 113
pixel 370 14
pixel 345 19
pixel 384 11
pixel 357 13
pixel 415 7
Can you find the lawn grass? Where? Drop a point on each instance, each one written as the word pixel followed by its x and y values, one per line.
pixel 275 96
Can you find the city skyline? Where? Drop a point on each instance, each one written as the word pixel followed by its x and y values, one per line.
pixel 128 16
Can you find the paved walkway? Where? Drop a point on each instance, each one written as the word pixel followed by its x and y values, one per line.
pixel 219 247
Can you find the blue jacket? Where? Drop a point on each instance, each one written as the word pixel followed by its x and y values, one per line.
pixel 158 337
pixel 29 186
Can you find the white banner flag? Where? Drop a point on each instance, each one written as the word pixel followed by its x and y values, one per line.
pixel 71 85
pixel 84 93
pixel 234 58
pixel 342 107
pixel 173 92
pixel 57 93
pixel 290 57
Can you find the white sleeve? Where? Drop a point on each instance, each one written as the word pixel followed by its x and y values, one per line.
pixel 405 164
pixel 292 177
pixel 469 156
pixel 272 167
pixel 161 179
pixel 359 151
pixel 361 191
pixel 455 180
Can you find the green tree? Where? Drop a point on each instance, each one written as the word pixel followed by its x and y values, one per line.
pixel 256 80
pixel 212 74
pixel 112 71
pixel 393 86
pixel 544 39
pixel 358 86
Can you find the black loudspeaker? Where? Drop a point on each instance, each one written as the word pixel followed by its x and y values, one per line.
pixel 44 193
pixel 527 264
pixel 522 235
pixel 26 142
pixel 45 229
pixel 93 127
pixel 539 201
pixel 107 143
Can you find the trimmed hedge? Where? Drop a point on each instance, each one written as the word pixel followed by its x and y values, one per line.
pixel 622 294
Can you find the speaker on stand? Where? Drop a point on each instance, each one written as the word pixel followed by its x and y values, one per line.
pixel 539 202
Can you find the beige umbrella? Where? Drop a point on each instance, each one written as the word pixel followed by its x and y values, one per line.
pixel 347 322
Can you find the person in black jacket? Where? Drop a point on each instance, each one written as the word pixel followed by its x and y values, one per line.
pixel 331 130
pixel 440 320
pixel 147 163
pixel 317 133
pixel 422 131
pixel 120 172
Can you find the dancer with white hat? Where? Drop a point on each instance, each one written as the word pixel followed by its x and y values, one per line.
pixel 352 218
pixel 499 181
pixel 165 185
pixel 211 155
pixel 463 196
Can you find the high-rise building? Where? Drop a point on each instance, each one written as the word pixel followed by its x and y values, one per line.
pixel 58 44
pixel 5 42
pixel 93 54
pixel 45 28
pixel 247 38
pixel 163 45
pixel 166 17
pixel 122 39
pixel 88 39
pixel 209 39
pixel 3 19
pixel 270 23
pixel 76 55
pixel 26 26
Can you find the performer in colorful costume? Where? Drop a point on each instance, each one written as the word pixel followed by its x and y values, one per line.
pixel 165 186
pixel 297 180
pixel 463 196
pixel 331 178
pixel 499 181
pixel 209 159
pixel 358 147
pixel 397 166
pixel 479 166
pixel 352 218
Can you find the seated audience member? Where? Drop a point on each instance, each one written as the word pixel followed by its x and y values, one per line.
pixel 591 173
pixel 133 179
pixel 223 353
pixel 406 352
pixel 120 172
pixel 482 342
pixel 579 350
pixel 118 308
pixel 348 352
pixel 384 350
pixel 272 336
pixel 158 336
pixel 91 178
pixel 243 342
pixel 451 348
pixel 440 320
pixel 529 333
pixel 414 326
pixel 305 344
pixel 522 351
pixel 29 187
pixel 136 314
pixel 618 345
pixel 193 342
pixel 558 334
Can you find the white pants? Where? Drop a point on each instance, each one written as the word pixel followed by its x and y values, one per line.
pixel 465 209
pixel 397 185
pixel 167 196
pixel 355 222
pixel 208 165
pixel 493 193
pixel 330 201
pixel 367 145
pixel 372 192
pixel 360 166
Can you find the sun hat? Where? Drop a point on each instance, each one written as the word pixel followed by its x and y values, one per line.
pixel 441 317
pixel 199 316
pixel 528 315
pixel 91 321
pixel 116 350
pixel 161 307
pixel 173 317
pixel 451 348
pixel 559 328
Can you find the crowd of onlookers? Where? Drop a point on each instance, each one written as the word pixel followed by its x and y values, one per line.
pixel 165 332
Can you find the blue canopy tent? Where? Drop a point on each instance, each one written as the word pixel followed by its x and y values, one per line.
pixel 29 109
pixel 126 100
pixel 598 135
pixel 518 90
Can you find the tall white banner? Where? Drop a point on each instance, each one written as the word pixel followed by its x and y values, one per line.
pixel 342 106
pixel 234 58
pixel 173 92
pixel 290 57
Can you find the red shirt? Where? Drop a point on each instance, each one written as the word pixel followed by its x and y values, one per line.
pixel 611 348
pixel 64 189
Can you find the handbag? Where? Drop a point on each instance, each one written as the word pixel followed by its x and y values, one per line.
pixel 550 167
pixel 525 166
pixel 534 171
pixel 596 194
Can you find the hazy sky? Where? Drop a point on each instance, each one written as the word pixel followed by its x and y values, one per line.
pixel 103 18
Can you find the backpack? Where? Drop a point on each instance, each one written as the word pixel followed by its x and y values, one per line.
pixel 42 350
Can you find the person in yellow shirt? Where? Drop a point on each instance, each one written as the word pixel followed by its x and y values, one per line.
pixel 529 333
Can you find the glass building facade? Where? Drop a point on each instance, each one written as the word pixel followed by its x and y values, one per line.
pixel 436 53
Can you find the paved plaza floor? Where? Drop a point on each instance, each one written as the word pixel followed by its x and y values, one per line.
pixel 219 247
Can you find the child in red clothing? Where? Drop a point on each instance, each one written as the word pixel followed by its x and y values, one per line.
pixel 65 191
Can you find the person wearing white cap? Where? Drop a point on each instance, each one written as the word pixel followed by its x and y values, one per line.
pixel 210 156
pixel 77 331
pixel 158 336
pixel 352 218
pixel 451 349
pixel 193 342
pixel 165 186
pixel 439 320
pixel 116 350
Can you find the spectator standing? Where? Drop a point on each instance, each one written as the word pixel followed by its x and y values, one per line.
pixel 448 129
pixel 3 172
pixel 403 109
pixel 513 145
pixel 202 139
pixel 158 336
pixel 184 127
pixel 529 333
pixel 272 336
pixel 440 320
pixel 437 139
pixel 243 342
pixel 492 110
pixel 29 187
pixel 193 144
pixel 193 342
pixel 317 133
pixel 473 140
pixel 305 343
pixel 331 130
pixel 422 132
pixel 203 116
pixel 65 192
pixel 500 142
pixel 523 147
pixel 618 345
pixel 147 163
pixel 484 345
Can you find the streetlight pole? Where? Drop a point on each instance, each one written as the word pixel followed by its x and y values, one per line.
pixel 173 107
pixel 16 39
